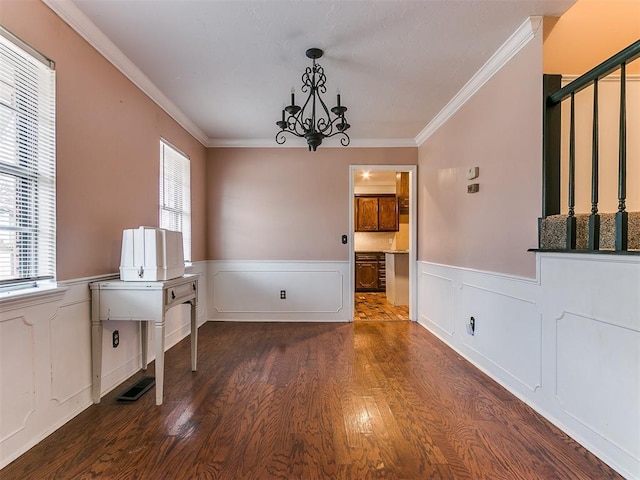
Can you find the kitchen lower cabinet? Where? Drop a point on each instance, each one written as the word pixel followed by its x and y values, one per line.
pixel 370 272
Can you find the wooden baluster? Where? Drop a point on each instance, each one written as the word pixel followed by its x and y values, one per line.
pixel 571 219
pixel 594 218
pixel 622 217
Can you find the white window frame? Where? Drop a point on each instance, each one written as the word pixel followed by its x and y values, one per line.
pixel 175 193
pixel 27 166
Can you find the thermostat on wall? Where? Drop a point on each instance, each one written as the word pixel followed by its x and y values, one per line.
pixel 473 172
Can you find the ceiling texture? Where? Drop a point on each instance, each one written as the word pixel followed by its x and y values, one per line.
pixel 224 69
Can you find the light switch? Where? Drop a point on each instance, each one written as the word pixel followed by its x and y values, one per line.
pixel 473 172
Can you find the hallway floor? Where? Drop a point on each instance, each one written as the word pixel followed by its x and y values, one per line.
pixel 374 306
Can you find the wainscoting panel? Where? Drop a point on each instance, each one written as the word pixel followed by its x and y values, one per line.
pixel 593 381
pixel 17 359
pixel 437 302
pixel 566 343
pixel 314 291
pixel 508 332
pixel 45 358
pixel 70 373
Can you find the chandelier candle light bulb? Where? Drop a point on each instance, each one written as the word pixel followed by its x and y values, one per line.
pixel 312 120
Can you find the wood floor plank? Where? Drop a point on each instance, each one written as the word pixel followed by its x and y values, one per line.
pixel 283 401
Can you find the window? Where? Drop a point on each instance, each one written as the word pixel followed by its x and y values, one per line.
pixel 175 194
pixel 27 165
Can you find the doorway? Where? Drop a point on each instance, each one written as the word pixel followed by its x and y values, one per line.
pixel 382 259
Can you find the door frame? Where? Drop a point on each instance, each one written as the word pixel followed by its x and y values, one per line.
pixel 413 232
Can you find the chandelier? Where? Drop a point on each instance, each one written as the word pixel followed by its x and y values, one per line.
pixel 313 120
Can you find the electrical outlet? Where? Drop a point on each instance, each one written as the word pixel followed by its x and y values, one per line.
pixel 116 338
pixel 471 326
pixel 283 294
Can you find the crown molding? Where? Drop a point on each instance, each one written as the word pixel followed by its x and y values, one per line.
pixel 271 143
pixel 521 37
pixel 79 22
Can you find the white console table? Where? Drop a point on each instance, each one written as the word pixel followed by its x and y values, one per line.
pixel 143 302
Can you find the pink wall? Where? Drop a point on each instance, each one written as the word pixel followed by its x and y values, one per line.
pixel 500 131
pixel 285 203
pixel 108 135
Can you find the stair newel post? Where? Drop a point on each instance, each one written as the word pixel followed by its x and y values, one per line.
pixel 571 219
pixel 551 135
pixel 594 218
pixel 622 216
pixel 551 153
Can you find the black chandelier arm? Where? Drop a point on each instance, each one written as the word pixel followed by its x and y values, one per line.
pixel 344 140
pixel 338 123
pixel 338 132
pixel 324 122
pixel 296 125
pixel 280 137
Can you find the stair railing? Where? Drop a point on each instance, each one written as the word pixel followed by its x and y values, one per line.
pixel 554 95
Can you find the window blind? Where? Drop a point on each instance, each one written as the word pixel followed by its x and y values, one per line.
pixel 27 163
pixel 175 194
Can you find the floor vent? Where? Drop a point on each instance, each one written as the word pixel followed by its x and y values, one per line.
pixel 137 390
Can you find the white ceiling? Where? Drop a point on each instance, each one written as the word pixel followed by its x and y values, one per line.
pixel 228 66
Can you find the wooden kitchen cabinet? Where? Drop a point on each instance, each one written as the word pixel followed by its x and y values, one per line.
pixel 387 214
pixel 366 214
pixel 402 191
pixel 376 213
pixel 370 272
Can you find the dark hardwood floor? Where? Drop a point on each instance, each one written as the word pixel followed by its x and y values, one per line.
pixel 363 400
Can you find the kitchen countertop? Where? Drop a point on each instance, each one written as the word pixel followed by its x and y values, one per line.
pixel 396 251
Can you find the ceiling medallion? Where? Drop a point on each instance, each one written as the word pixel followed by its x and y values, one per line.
pixel 313 120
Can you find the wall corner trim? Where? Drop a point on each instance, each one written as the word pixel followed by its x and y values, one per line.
pixel 516 42
pixel 79 22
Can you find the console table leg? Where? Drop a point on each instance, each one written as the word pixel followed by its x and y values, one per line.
pixel 194 338
pixel 159 334
pixel 96 347
pixel 144 334
pixel 96 360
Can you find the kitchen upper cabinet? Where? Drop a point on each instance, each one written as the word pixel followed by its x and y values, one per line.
pixel 366 214
pixel 376 213
pixel 402 191
pixel 387 214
